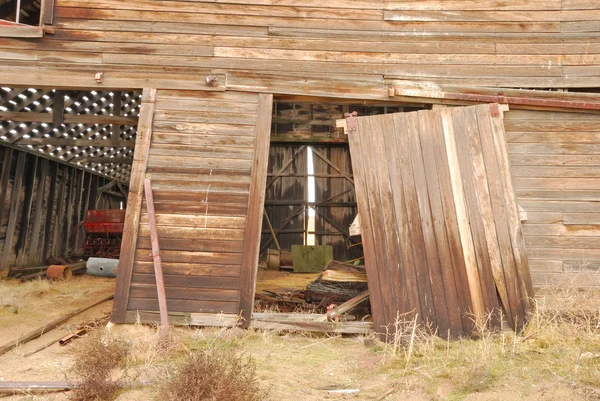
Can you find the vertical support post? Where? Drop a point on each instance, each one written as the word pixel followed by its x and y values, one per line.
pixel 37 217
pixel 14 210
pixel 26 215
pixel 58 107
pixel 134 206
pixel 49 212
pixel 158 272
pixel 6 165
pixel 255 208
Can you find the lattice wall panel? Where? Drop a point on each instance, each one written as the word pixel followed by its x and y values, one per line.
pixel 103 148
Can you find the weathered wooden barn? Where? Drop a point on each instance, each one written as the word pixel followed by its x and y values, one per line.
pixel 220 103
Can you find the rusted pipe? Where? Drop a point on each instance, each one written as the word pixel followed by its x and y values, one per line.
pixel 158 272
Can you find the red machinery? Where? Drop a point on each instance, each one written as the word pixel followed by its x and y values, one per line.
pixel 104 229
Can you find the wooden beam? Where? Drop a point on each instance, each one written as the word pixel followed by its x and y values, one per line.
pixel 285 166
pixel 27 204
pixel 305 140
pixel 68 118
pixel 58 107
pixel 37 217
pixel 20 31
pixel 49 326
pixel 14 211
pixel 48 12
pixel 49 212
pixel 516 102
pixel 345 307
pixel 101 143
pixel 60 207
pixel 330 163
pixel 6 165
pixel 104 160
pixel 134 208
pixel 250 251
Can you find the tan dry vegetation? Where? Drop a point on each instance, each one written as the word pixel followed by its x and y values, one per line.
pixel 556 357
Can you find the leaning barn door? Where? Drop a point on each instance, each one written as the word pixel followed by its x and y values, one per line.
pixel 440 226
pixel 206 153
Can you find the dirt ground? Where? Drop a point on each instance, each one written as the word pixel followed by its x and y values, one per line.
pixel 555 360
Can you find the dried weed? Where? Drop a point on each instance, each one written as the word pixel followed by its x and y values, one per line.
pixel 213 375
pixel 100 362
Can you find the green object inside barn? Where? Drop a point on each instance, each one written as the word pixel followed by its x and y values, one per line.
pixel 311 258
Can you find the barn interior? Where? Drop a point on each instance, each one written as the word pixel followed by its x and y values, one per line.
pixel 65 154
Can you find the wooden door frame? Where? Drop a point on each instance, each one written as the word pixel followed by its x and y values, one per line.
pixel 256 204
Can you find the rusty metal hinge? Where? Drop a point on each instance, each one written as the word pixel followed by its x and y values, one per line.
pixel 494 110
pixel 351 123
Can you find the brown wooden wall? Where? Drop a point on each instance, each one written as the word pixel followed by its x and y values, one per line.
pixel 555 162
pixel 290 46
pixel 41 201
pixel 201 162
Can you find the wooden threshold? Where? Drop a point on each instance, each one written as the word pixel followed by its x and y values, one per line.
pixel 263 321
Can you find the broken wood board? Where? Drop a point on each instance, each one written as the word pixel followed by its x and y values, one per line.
pixel 441 229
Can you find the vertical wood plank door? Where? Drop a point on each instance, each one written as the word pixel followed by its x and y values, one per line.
pixel 441 232
pixel 207 160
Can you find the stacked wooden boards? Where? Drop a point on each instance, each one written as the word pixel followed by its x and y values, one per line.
pixel 311 47
pixel 440 226
pixel 207 161
pixel 555 163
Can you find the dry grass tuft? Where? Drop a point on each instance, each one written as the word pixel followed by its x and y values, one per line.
pixel 99 363
pixel 213 375
pixel 14 294
pixel 558 347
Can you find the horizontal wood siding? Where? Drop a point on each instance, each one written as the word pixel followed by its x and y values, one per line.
pixel 555 160
pixel 200 163
pixel 275 46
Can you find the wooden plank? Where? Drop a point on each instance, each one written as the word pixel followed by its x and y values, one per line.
pixel 50 215
pixel 38 332
pixel 183 293
pixel 48 12
pixel 193 269
pixel 452 123
pixel 383 305
pixel 550 241
pixel 13 211
pixel 29 117
pixel 431 135
pixel 101 143
pixel 375 148
pixel 410 213
pixel 512 214
pixel 256 200
pixel 506 276
pixel 60 213
pixel 38 214
pixel 184 305
pixel 199 233
pixel 134 205
pixel 431 251
pixel 580 230
pixel 196 220
pixel 581 218
pixel 6 167
pixel 215 282
pixel 145 255
pixel 21 245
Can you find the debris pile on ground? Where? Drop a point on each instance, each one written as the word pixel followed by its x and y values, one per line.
pixel 337 284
